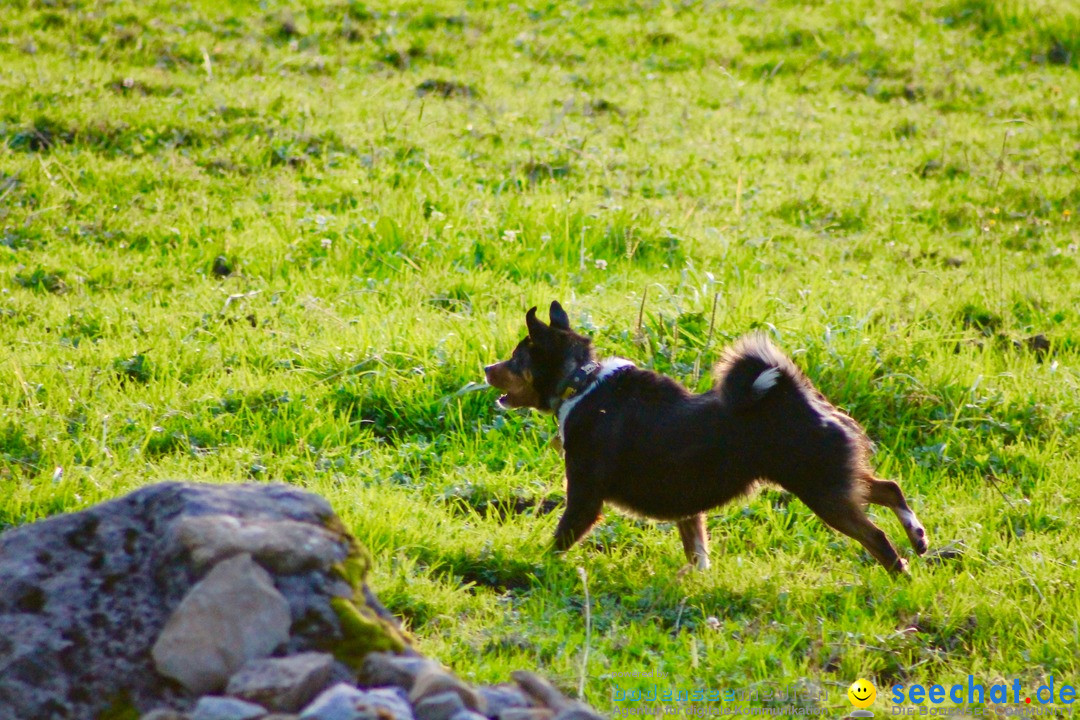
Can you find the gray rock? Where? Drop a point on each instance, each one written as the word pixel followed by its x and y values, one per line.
pixel 283 684
pixel 224 708
pixel 231 616
pixel 336 703
pixel 86 595
pixel 384 668
pixel 533 713
pixel 441 706
pixel 282 546
pixel 433 680
pixel 345 702
pixel 543 692
pixel 579 712
pixel 546 694
pixel 382 701
pixel 502 697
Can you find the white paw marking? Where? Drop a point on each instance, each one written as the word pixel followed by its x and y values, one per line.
pixel 909 520
pixel 701 555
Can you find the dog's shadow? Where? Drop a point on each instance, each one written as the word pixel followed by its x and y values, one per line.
pixel 494 570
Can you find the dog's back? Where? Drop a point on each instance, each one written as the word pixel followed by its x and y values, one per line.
pixel 664 452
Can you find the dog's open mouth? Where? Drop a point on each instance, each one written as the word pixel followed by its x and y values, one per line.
pixel 516 389
pixel 511 401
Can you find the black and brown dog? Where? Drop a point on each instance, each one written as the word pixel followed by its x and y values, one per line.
pixel 644 443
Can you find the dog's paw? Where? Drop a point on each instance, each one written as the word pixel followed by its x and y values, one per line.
pixel 915 531
pixel 919 541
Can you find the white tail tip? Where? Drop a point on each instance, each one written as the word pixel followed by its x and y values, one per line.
pixel 766 380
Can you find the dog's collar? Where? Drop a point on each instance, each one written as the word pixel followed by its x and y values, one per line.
pixel 576 382
pixel 597 375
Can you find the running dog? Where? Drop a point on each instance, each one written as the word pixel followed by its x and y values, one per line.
pixel 644 443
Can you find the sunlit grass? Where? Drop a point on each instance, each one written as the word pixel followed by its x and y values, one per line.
pixel 246 242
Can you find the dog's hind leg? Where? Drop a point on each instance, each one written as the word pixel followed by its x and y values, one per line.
pixel 695 540
pixel 845 514
pixel 888 493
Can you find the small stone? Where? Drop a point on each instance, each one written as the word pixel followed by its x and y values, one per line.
pixel 433 680
pixel 337 703
pixel 379 702
pixel 547 694
pixel 579 712
pixel 535 713
pixel 345 702
pixel 1038 344
pixel 441 706
pixel 541 690
pixel 231 616
pixel 283 684
pixel 223 708
pixel 384 668
pixel 502 697
pixel 221 266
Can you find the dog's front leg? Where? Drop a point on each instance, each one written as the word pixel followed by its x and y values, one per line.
pixel 583 505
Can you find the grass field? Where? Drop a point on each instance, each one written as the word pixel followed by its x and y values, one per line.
pixel 241 242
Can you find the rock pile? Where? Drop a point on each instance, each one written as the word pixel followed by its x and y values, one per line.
pixel 211 602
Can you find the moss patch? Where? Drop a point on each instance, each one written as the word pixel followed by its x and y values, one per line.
pixel 362 632
pixel 354 569
pixel 120 707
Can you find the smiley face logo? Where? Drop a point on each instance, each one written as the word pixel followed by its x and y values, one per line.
pixel 861 693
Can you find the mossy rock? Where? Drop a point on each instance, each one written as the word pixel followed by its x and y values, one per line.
pixel 363 630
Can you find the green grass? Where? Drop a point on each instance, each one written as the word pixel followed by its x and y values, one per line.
pixel 242 243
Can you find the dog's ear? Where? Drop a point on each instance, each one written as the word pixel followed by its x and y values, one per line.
pixel 559 318
pixel 537 329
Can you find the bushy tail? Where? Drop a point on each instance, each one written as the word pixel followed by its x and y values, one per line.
pixel 751 369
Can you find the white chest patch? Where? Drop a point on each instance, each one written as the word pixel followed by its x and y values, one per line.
pixel 607 368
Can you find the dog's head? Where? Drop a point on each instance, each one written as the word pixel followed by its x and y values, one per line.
pixel 541 361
